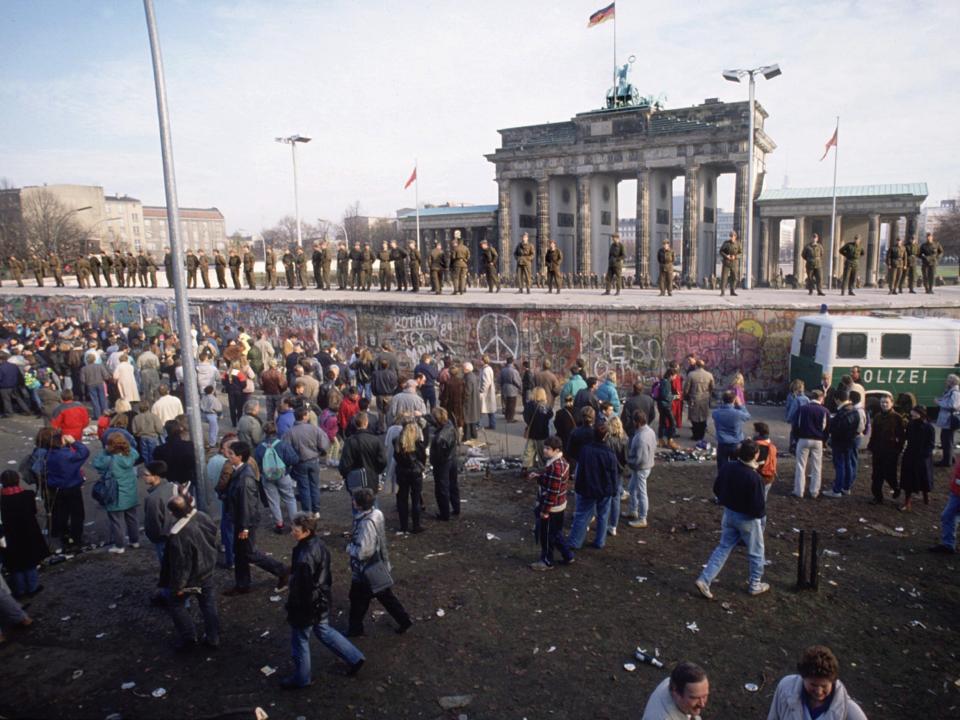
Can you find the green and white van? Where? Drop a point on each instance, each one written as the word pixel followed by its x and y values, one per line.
pixel 895 354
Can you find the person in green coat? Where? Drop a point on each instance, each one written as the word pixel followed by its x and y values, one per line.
pixel 119 459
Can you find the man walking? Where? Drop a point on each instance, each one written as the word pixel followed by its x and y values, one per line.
pixel 930 253
pixel 460 260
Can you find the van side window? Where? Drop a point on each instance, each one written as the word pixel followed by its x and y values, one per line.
pixel 895 346
pixel 808 343
pixel 852 345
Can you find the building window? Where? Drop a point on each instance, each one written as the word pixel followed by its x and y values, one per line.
pixel 663 216
pixel 527 221
pixel 852 345
pixel 606 217
pixel 565 219
pixel 895 346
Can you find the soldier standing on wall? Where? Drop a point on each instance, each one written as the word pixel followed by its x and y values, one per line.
pixel 300 261
pixel 813 258
pixel 249 263
pixel 220 268
pixel 399 258
pixel 39 266
pixel 168 267
pixel 438 261
pixel 343 266
pixel 414 260
pixel 94 263
pixel 152 270
pixel 384 257
pixel 56 267
pixel 17 268
pixel 851 253
pixel 730 271
pixel 82 267
pixel 554 261
pixel 316 259
pixel 665 260
pixel 106 262
pixel 326 259
pixel 288 263
pixel 460 260
pixel 356 267
pixel 131 264
pixel 488 259
pixel 234 262
pixel 366 265
pixel 270 269
pixel 930 253
pixel 896 257
pixel 911 253
pixel 191 263
pixel 615 264
pixel 203 263
pixel 142 268
pixel 524 255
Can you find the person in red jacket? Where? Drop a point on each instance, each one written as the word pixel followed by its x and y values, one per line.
pixel 948 519
pixel 349 406
pixel 70 417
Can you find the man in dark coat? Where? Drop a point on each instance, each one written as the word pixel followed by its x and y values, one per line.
pixel 363 450
pixel 189 559
pixel 596 485
pixel 471 402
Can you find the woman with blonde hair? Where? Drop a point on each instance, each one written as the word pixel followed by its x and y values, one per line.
pixel 736 387
pixel 536 415
pixel 410 456
pixel 617 441
pixel 118 459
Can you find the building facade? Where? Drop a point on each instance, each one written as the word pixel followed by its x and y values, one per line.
pixel 201 229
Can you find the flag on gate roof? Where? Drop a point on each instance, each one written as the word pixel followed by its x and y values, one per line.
pixel 413 177
pixel 832 142
pixel 607 13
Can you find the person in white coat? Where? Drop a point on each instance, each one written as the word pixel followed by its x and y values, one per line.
pixel 815 691
pixel 126 380
pixel 488 393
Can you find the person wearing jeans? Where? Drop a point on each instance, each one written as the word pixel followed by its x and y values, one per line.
pixel 308 605
pixel 310 443
pixel 210 410
pixel 596 483
pixel 949 404
pixel 443 458
pixel 640 459
pixel 739 488
pixel 118 459
pixel 277 486
pixel 551 503
pixel 948 518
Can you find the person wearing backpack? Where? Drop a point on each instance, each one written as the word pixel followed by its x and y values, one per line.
pixel 844 428
pixel 275 458
pixel 118 459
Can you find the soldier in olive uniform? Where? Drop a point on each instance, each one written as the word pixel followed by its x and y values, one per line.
pixel 192 265
pixel 896 260
pixel 524 255
pixel 326 260
pixel 94 263
pixel 398 256
pixel 16 270
pixel 131 264
pixel 119 268
pixel 554 261
pixel 851 253
pixel 82 266
pixel 168 267
pixel 56 267
pixel 930 254
pixel 414 260
pixel 488 261
pixel 460 260
pixel 270 268
pixel 106 262
pixel 249 264
pixel 438 262
pixel 39 266
pixel 730 258
pixel 316 260
pixel 366 265
pixel 300 262
pixel 203 266
pixel 911 253
pixel 384 257
pixel 220 268
pixel 356 267
pixel 234 262
pixel 152 270
pixel 813 259
pixel 665 260
pixel 143 269
pixel 615 260
pixel 343 266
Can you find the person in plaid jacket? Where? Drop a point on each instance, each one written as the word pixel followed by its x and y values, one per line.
pixel 551 502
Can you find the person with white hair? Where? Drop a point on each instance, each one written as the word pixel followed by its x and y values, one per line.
pixel 407 401
pixel 471 402
pixel 949 404
pixel 488 393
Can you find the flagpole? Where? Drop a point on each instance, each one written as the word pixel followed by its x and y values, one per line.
pixel 614 56
pixel 416 191
pixel 833 212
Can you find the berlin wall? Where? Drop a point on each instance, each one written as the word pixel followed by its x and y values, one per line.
pixel 635 344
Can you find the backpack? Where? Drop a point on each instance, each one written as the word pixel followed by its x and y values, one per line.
pixel 106 491
pixel 273 466
pixel 655 391
pixel 844 426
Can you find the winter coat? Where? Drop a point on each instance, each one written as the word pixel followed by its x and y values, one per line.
pixel 191 552
pixel 537 417
pixel 698 389
pixel 242 500
pixel 571 387
pixel 949 404
pixel 410 464
pixel 250 430
pixel 888 434
pixel 308 598
pixel 26 546
pixel 179 456
pixel 157 519
pixel 510 385
pixel 443 445
pixel 121 467
pixel 71 418
pixel 787 702
pixel 451 399
pixel 65 466
pixel 916 467
pixel 597 471
pixel 126 382
pixel 363 449
pixel 488 391
pixel 367 538
pixel 471 398
pixel 607 392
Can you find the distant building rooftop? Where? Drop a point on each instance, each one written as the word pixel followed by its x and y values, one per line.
pixel 915 189
pixel 450 211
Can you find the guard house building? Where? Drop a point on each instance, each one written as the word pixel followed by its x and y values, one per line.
pixel 559 181
pixel 437 224
pixel 861 210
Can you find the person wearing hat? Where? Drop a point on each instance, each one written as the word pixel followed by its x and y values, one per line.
pixel 554 260
pixel 460 259
pixel 488 260
pixel 665 260
pixel 615 260
pixel 524 255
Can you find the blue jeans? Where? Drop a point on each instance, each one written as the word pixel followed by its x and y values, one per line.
pixel 226 535
pixel 638 493
pixel 734 528
pixel 613 517
pixel 586 509
pixel 148 446
pixel 333 640
pixel 491 421
pixel 213 427
pixel 24 581
pixel 948 521
pixel 726 451
pixel 98 398
pixel 307 476
pixel 845 465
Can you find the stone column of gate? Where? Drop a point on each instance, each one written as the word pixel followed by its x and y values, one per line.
pixel 799 238
pixel 911 229
pixel 503 222
pixel 691 225
pixel 543 220
pixel 740 211
pixel 835 244
pixel 763 255
pixel 583 224
pixel 873 250
pixel 642 252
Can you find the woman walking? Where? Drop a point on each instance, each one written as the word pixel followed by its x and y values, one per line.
pixel 119 459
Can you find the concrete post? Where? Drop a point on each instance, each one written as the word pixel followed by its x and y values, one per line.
pixel 642 253
pixel 740 207
pixel 773 271
pixel 763 256
pixel 691 226
pixel 503 218
pixel 543 221
pixel 583 223
pixel 799 238
pixel 873 250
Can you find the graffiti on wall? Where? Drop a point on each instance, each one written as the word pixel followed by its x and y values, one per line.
pixel 411 332
pixel 338 326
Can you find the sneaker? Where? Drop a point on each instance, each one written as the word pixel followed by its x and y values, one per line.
pixel 759 588
pixel 704 587
pixel 639 523
pixel 540 566
pixel 831 494
pixel 624 495
pixel 629 516
pixel 612 531
pixel 135 546
pixel 117 550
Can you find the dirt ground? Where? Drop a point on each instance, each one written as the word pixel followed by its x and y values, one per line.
pixel 522 644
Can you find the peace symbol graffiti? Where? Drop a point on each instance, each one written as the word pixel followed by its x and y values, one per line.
pixel 497 336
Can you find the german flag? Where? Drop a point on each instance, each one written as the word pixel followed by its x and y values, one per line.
pixel 607 13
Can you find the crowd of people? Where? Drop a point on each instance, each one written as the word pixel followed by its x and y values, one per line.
pixel 293 409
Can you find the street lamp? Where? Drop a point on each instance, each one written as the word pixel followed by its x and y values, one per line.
pixel 86 236
pixel 292 141
pixel 769 72
pixel 60 224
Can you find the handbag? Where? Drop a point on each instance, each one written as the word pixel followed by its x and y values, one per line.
pixel 106 491
pixel 954 422
pixel 376 573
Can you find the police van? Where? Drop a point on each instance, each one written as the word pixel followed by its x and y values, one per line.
pixel 895 354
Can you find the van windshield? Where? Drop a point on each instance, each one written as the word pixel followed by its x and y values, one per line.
pixel 808 342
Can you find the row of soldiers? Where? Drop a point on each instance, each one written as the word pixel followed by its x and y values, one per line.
pixel 901 262
pixel 127 268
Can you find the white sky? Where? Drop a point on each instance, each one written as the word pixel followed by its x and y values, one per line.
pixel 377 84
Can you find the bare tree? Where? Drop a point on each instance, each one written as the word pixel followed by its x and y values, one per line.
pixel 50 226
pixel 947 231
pixel 356 224
pixel 283 235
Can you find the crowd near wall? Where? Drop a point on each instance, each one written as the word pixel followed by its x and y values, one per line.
pixel 637 345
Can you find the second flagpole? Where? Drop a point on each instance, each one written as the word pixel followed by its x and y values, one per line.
pixel 833 212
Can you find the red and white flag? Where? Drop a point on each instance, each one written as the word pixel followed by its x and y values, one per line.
pixel 602 15
pixel 413 178
pixel 832 142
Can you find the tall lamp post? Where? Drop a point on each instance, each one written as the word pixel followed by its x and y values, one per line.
pixel 292 141
pixel 769 72
pixel 55 240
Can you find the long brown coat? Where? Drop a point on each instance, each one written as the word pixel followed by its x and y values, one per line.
pixel 698 390
pixel 451 398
